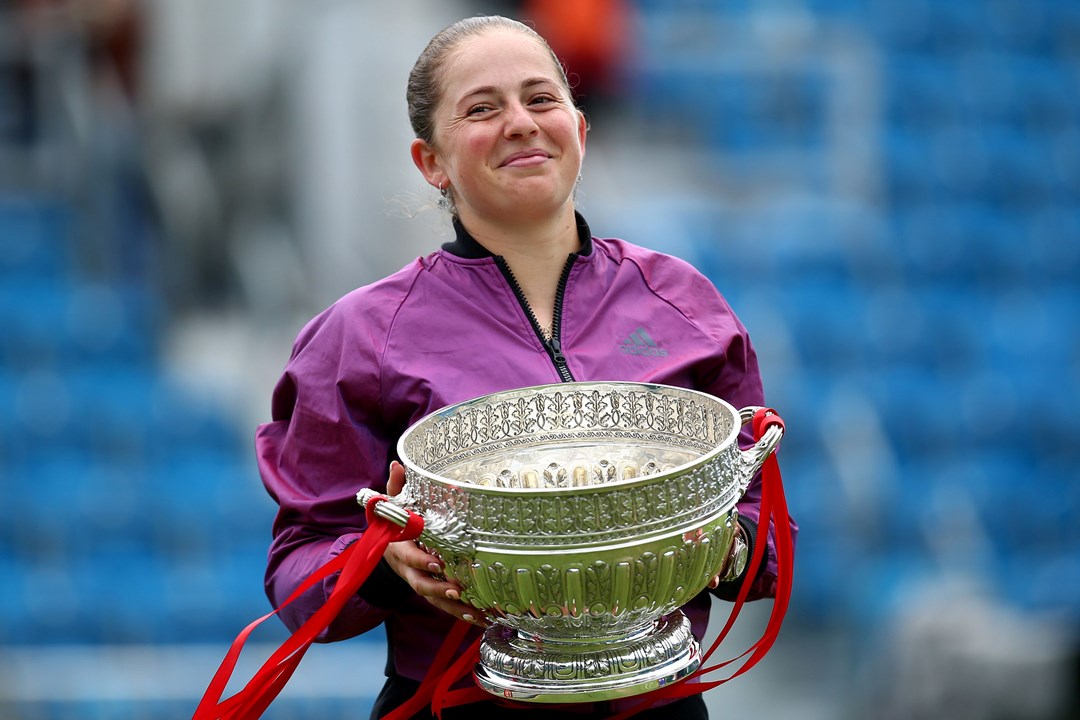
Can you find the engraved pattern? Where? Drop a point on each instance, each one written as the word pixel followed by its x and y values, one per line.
pixel 500 579
pixel 536 597
pixel 690 418
pixel 530 663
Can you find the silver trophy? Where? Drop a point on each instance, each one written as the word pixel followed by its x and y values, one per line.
pixel 578 518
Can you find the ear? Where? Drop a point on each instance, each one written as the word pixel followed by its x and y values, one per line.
pixel 427 161
pixel 583 130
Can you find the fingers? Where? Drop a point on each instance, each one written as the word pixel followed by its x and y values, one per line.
pixel 460 610
pixel 423 572
pixel 396 481
pixel 413 564
pixel 446 595
pixel 715 582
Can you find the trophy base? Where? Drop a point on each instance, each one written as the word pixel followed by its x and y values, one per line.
pixel 544 670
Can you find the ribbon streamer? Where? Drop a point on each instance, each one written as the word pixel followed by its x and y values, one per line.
pixel 355 563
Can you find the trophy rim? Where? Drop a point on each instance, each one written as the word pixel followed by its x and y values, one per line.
pixel 659 388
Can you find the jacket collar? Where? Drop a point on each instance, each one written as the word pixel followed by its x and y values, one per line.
pixel 466 246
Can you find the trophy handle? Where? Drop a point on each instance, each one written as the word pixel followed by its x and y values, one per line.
pixel 445 535
pixel 754 457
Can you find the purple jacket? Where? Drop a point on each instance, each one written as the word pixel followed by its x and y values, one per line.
pixel 449 327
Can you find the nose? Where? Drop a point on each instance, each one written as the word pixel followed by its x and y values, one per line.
pixel 519 121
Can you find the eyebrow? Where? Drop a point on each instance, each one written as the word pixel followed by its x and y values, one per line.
pixel 491 89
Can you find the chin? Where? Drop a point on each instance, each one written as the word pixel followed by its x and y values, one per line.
pixel 534 207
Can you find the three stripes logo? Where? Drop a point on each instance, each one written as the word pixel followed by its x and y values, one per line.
pixel 640 342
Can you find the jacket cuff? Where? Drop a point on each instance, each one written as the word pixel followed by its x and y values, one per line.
pixel 384 588
pixel 730 590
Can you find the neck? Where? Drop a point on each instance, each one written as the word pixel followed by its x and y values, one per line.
pixel 536 254
pixel 530 242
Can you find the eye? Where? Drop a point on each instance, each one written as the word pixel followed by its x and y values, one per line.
pixel 479 109
pixel 543 99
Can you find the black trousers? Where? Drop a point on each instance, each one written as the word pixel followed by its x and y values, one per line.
pixel 398 689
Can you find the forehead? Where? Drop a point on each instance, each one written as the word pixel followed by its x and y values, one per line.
pixel 493 56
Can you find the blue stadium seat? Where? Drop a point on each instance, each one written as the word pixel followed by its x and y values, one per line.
pixel 776 245
pixel 1018 28
pixel 914 407
pixel 821 574
pixel 825 320
pixel 179 422
pixel 910 175
pixel 920 94
pixel 111 406
pixel 34 243
pixel 39 416
pixel 1052 244
pixel 1045 94
pixel 212 598
pixel 959 244
pixel 1022 169
pixel 204 500
pixel 879 586
pixel 987 88
pixel 1064 28
pixel 33 313
pixel 1047 588
pixel 46 321
pixel 892 326
pixel 955 28
pixel 45 507
pixel 13 631
pixel 851 10
pixel 124 586
pixel 931 326
pixel 961 159
pixel 943 30
pixel 9 382
pixel 903 26
pixel 56 607
pixel 106 324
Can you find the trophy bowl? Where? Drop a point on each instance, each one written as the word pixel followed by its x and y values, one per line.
pixel 578 517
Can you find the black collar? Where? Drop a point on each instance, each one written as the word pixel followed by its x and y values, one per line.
pixel 466 246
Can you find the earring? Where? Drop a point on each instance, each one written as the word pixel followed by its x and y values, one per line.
pixel 444 197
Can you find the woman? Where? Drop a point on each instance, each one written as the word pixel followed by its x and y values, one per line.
pixel 523 296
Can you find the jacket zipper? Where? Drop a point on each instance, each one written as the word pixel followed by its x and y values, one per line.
pixel 554 345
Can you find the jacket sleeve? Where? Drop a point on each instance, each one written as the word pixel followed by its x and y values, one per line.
pixel 738 381
pixel 323 445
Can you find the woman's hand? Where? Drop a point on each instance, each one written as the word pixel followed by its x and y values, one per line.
pixel 422 570
pixel 738 545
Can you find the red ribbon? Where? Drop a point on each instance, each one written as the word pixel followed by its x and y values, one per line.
pixel 355 564
pixel 774 511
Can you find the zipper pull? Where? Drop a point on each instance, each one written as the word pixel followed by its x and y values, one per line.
pixel 556 350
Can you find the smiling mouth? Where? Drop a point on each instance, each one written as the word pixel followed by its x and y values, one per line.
pixel 526 159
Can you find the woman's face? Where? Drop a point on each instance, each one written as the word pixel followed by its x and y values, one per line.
pixel 508 140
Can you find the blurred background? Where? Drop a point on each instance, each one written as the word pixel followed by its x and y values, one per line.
pixel 887 191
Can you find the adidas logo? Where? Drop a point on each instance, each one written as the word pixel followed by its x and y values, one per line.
pixel 640 342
